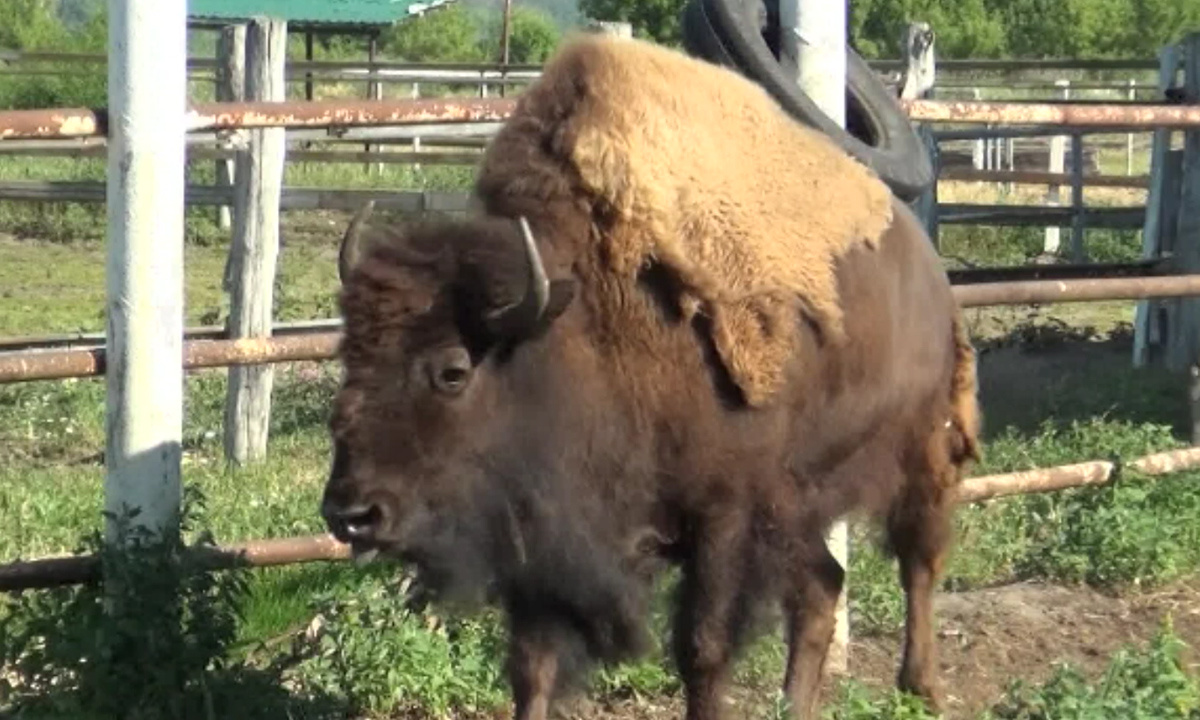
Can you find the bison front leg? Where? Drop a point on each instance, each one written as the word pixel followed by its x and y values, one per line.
pixel 707 616
pixel 533 656
pixel 811 620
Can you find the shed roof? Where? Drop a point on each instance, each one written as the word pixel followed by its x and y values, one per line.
pixel 312 12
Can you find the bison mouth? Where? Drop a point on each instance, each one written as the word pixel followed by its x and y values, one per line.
pixel 432 573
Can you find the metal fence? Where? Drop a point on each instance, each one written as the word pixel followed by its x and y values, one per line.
pixel 56 363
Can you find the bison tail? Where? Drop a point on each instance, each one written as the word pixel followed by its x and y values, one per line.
pixel 965 417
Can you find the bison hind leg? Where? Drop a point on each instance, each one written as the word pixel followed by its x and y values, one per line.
pixel 810 612
pixel 919 534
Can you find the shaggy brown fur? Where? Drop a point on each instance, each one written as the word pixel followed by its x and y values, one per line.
pixel 698 168
pixel 553 461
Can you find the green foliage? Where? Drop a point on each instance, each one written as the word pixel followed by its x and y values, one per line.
pixel 1026 28
pixel 1066 28
pixel 1155 23
pixel 376 654
pixel 656 20
pixel 1149 684
pixel 150 642
pixel 533 36
pixel 32 25
pixel 964 28
pixel 970 28
pixel 462 33
pixel 1134 532
pixel 853 701
pixel 446 35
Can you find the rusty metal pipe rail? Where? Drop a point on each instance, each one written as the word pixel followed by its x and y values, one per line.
pixel 86 122
pixel 1071 115
pixel 73 570
pixel 61 364
pixel 80 340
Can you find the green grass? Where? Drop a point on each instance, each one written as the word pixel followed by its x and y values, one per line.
pixel 1135 532
pixel 71 222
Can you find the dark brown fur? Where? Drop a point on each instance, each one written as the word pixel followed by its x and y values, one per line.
pixel 586 447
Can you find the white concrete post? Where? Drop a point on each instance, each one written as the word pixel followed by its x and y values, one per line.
pixel 147 100
pixel 814 38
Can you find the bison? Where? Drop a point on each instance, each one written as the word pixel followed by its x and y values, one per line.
pixel 600 372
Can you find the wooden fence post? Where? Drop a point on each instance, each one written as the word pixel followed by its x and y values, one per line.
pixel 1188 229
pixel 374 92
pixel 231 87
pixel 254 251
pixel 1078 210
pixel 1152 318
pixel 919 80
pixel 1132 97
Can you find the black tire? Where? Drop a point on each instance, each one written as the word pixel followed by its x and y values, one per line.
pixel 878 133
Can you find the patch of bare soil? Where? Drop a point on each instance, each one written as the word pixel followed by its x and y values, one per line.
pixel 988 638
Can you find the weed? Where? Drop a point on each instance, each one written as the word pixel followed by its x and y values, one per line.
pixel 371 650
pixel 854 701
pixel 1138 684
pixel 156 639
pixel 1151 684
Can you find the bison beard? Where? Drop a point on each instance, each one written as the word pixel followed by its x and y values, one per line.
pixel 534 427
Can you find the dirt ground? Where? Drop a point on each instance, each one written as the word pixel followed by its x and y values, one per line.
pixel 988 638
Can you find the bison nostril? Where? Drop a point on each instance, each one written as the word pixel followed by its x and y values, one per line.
pixel 359 522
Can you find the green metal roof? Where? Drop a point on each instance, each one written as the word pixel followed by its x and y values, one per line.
pixel 313 12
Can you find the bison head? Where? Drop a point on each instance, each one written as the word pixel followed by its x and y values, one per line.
pixel 440 347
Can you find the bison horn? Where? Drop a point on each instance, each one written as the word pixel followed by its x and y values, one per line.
pixel 538 282
pixel 536 297
pixel 349 251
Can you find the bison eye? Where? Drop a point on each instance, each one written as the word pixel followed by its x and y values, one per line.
pixel 450 370
pixel 452 379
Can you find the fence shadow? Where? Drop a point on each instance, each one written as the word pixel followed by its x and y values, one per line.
pixel 1060 374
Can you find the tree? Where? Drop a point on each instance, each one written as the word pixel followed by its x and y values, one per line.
pixel 1154 23
pixel 532 35
pixel 964 28
pixel 447 34
pixel 656 20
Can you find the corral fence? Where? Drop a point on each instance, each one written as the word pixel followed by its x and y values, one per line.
pixel 144 400
pixel 1010 156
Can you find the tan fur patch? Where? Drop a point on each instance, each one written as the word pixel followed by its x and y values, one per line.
pixel 701 170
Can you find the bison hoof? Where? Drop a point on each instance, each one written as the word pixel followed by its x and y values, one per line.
pixel 920 684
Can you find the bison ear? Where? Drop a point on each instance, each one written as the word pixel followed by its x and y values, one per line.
pixel 514 325
pixel 541 303
pixel 351 247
